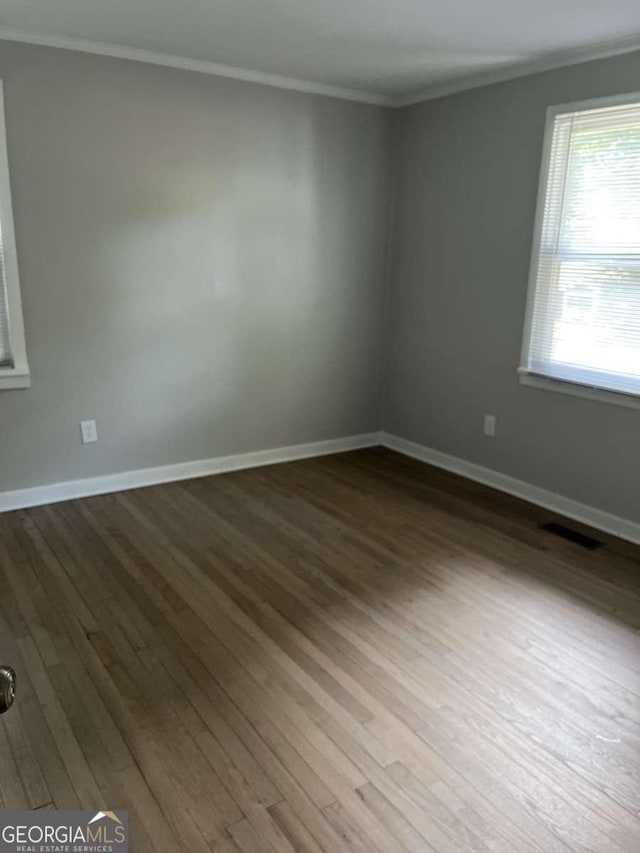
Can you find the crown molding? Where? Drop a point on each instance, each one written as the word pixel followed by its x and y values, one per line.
pixel 198 65
pixel 547 62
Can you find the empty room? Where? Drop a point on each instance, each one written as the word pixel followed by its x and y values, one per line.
pixel 319 426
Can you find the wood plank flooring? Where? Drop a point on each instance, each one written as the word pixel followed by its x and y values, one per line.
pixel 351 653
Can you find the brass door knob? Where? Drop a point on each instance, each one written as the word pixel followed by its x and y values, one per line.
pixel 7 687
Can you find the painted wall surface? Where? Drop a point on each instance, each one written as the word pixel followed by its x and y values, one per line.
pixel 204 271
pixel 467 171
pixel 202 264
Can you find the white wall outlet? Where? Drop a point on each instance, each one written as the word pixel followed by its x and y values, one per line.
pixel 490 422
pixel 89 431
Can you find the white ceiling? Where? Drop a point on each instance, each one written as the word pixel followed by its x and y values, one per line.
pixel 390 48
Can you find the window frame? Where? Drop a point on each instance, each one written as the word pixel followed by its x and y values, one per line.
pixel 526 377
pixel 17 376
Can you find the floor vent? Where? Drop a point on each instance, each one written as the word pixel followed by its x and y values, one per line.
pixel 587 542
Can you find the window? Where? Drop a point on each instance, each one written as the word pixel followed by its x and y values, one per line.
pixel 583 314
pixel 14 370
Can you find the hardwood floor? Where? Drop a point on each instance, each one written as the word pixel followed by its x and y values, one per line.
pixel 352 653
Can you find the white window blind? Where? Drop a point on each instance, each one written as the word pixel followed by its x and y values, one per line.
pixel 5 346
pixel 583 318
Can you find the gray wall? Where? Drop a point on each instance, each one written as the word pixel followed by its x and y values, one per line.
pixel 467 175
pixel 202 264
pixel 203 271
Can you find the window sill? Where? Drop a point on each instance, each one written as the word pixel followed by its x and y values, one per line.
pixel 601 395
pixel 12 378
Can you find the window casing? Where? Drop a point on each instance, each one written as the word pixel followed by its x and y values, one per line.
pixel 582 328
pixel 14 369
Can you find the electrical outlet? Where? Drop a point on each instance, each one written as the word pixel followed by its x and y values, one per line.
pixel 89 431
pixel 490 423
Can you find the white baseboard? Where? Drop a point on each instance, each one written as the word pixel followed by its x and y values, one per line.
pixel 583 513
pixel 38 495
pixel 54 492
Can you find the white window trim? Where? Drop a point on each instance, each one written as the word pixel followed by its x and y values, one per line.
pixel 17 376
pixel 575 389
